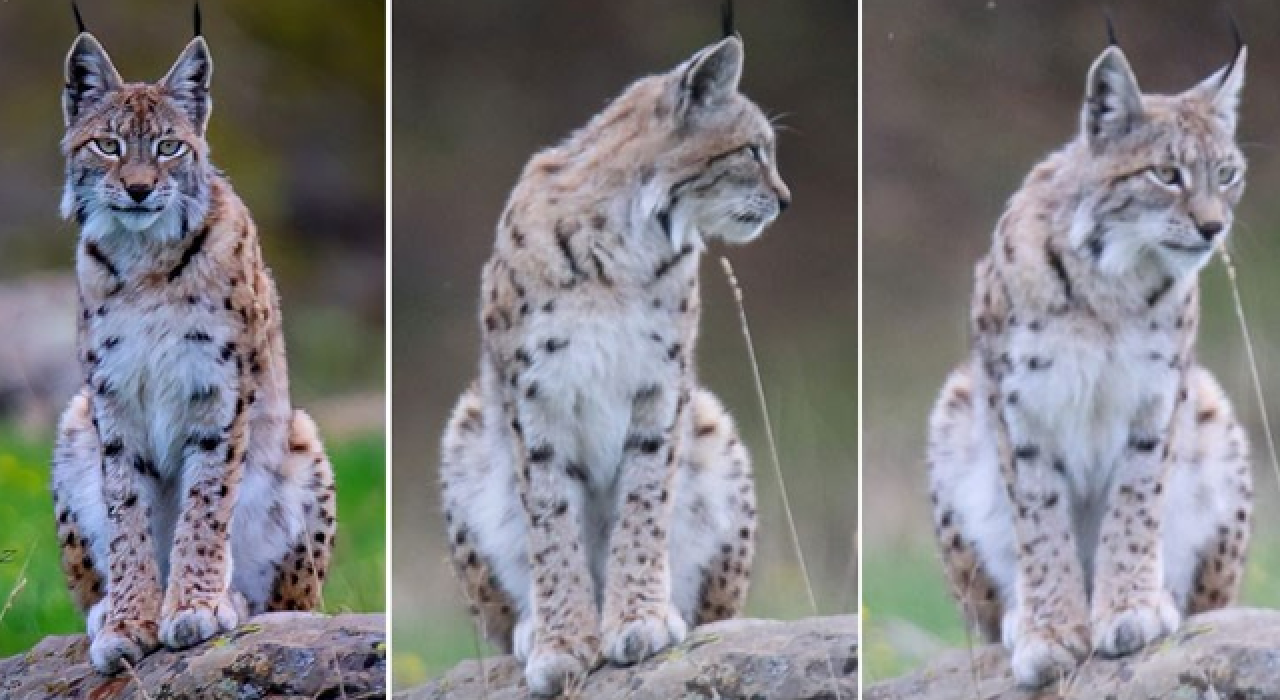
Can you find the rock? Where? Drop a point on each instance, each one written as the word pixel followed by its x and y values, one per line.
pixel 1224 655
pixel 277 655
pixel 726 660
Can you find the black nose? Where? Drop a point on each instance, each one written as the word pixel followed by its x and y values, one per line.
pixel 138 193
pixel 1209 229
pixel 783 203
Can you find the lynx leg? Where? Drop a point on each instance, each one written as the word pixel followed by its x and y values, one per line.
pixel 81 509
pixel 1205 555
pixel 78 506
pixel 301 574
pixel 467 476
pixel 952 457
pixel 714 518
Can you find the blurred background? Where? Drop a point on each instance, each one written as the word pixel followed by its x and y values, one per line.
pixel 479 87
pixel 298 124
pixel 962 98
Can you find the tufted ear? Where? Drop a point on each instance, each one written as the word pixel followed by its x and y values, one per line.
pixel 1222 90
pixel 188 82
pixel 1112 99
pixel 89 76
pixel 712 74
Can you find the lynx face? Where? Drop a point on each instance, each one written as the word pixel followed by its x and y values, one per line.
pixel 715 172
pixel 1167 169
pixel 137 160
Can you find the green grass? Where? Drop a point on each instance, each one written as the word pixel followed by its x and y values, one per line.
pixel 906 585
pixel 39 604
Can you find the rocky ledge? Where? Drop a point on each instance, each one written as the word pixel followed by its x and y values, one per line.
pixel 799 660
pixel 277 655
pixel 1224 655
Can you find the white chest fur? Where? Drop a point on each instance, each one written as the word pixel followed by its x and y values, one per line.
pixel 593 379
pixel 1087 388
pixel 158 360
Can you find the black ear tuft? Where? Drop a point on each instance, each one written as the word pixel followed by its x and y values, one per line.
pixel 1111 28
pixel 726 19
pixel 1235 29
pixel 1235 34
pixel 197 19
pixel 75 10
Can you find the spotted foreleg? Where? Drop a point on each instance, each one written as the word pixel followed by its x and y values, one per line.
pixel 199 602
pixel 1048 629
pixel 564 624
pixel 1131 605
pixel 639 616
pixel 128 630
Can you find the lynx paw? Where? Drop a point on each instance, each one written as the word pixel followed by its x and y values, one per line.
pixel 201 619
pixel 634 638
pixel 121 643
pixel 549 672
pixel 1127 629
pixel 558 664
pixel 1044 654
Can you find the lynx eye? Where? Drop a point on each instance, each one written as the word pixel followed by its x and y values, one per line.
pixel 1228 175
pixel 1168 175
pixel 107 147
pixel 757 153
pixel 170 148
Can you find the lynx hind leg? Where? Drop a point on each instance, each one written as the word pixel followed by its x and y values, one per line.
pixel 301 575
pixel 78 504
pixel 950 426
pixel 468 486
pixel 714 519
pixel 1205 555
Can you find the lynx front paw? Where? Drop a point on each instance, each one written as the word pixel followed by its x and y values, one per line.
pixel 634 638
pixel 1125 629
pixel 556 665
pixel 201 619
pixel 121 642
pixel 1043 655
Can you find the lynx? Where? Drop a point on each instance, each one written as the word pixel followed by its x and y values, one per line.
pixel 1090 483
pixel 188 494
pixel 598 500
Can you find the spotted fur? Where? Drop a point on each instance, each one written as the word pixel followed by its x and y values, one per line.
pixel 598 500
pixel 188 493
pixel 1090 482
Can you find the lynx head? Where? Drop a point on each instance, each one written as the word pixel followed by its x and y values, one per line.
pixel 137 160
pixel 708 151
pixel 1167 168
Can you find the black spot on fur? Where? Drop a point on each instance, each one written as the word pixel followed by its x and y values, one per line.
pixel 192 250
pixel 1026 452
pixel 668 264
pixel 101 258
pixel 113 448
pixel 1059 270
pixel 541 453
pixel 1159 292
pixel 645 444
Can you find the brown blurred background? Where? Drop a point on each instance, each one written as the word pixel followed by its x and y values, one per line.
pixel 962 98
pixel 479 86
